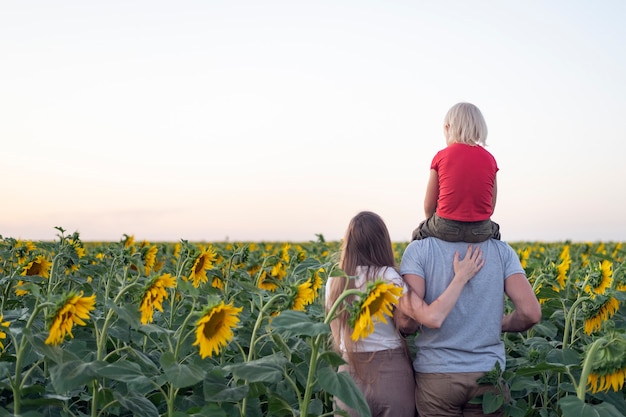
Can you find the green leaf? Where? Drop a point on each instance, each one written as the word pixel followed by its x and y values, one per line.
pixel 492 402
pixel 267 369
pixel 74 374
pixel 138 405
pixel 541 368
pixel 214 392
pixel 298 323
pixel 180 375
pixel 124 371
pixel 573 407
pixel 565 357
pixel 278 406
pixel 209 410
pixel 341 385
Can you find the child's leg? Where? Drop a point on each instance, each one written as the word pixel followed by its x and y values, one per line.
pixel 444 229
pixel 475 232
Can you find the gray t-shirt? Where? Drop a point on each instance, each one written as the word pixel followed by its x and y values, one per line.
pixel 469 340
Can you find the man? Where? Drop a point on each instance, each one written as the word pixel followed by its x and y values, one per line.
pixel 451 358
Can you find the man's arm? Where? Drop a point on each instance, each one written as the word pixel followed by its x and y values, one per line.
pixel 527 310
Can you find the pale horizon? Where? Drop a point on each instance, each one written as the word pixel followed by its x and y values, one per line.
pixel 279 121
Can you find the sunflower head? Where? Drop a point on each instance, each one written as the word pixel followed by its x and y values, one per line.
pixel 608 370
pixel 153 296
pixel 376 304
pixel 3 326
pixel 204 261
pixel 38 266
pixel 302 295
pixel 73 310
pixel 215 327
pixel 598 310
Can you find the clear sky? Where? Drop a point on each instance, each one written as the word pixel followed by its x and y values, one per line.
pixel 279 120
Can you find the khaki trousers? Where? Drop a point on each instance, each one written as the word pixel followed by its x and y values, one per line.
pixel 449 395
pixel 387 382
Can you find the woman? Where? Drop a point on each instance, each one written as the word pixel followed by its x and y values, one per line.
pixel 380 363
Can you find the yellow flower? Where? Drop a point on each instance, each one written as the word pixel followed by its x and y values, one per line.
pixel 304 295
pixel 380 300
pixel 203 262
pixel 3 335
pixel 284 252
pixel 279 271
pixel 18 289
pixel 78 248
pixel 600 314
pixel 176 252
pixel 39 266
pixel 154 295
pixel 609 364
pixel 600 280
pixel 73 311
pixel 129 241
pixel 217 283
pixel 524 255
pixel 267 282
pixel 23 249
pixel 150 258
pixel 317 280
pixel 563 267
pixel 215 328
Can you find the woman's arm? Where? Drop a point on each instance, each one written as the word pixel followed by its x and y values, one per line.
pixel 432 315
pixel 432 194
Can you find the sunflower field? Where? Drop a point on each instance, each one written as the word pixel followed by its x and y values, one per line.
pixel 138 328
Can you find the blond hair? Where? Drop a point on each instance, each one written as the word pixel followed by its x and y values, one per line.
pixel 464 123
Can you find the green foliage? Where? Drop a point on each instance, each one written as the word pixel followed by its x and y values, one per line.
pixel 278 361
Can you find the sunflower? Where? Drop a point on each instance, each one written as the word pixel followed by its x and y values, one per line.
pixel 3 335
pixel 215 328
pixel 563 267
pixel 609 365
pixel 203 262
pixel 284 252
pixel 38 266
pixel 267 282
pixel 279 271
pixel 381 297
pixel 304 295
pixel 523 257
pixel 19 291
pixel 154 295
pixel 73 311
pixel 23 249
pixel 150 258
pixel 78 248
pixel 217 283
pixel 599 313
pixel 129 241
pixel 317 280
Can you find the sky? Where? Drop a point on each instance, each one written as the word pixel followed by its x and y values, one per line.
pixel 280 120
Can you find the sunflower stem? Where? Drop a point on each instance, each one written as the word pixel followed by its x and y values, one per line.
pixel 581 388
pixel 568 320
pixel 257 324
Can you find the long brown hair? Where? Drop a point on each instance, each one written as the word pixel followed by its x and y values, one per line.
pixel 366 244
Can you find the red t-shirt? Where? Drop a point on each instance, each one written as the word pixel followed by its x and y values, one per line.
pixel 466 177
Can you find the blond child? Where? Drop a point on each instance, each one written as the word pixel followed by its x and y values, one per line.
pixel 462 187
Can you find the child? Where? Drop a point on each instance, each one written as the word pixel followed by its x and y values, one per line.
pixel 380 364
pixel 462 189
